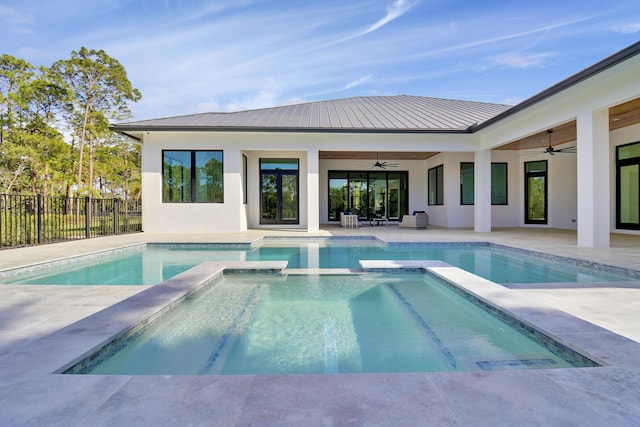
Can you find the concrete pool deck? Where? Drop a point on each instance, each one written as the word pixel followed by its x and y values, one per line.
pixel 39 333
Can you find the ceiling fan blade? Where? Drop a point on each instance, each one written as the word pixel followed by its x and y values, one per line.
pixel 567 150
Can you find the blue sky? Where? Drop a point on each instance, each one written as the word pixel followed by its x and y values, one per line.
pixel 191 56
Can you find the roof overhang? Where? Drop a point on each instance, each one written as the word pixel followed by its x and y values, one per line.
pixel 137 132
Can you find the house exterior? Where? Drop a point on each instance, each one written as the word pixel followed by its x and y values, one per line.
pixel 467 164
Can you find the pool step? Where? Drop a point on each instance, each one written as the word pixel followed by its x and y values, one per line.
pixel 323 271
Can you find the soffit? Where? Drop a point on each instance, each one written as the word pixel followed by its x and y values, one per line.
pixel 620 116
pixel 624 115
pixel 561 134
pixel 372 155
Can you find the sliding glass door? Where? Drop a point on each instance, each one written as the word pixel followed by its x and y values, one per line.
pixel 368 194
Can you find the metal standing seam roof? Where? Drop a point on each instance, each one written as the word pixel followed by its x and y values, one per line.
pixel 401 113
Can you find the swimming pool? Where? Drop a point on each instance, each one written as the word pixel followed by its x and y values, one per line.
pixel 154 263
pixel 311 324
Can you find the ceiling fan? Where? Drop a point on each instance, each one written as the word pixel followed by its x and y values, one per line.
pixel 383 164
pixel 550 150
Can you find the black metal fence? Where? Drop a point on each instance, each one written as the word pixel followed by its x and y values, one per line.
pixel 33 220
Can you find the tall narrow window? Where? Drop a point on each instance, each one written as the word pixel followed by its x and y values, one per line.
pixel 628 186
pixel 535 202
pixel 436 185
pixel 192 176
pixel 466 184
pixel 244 179
pixel 499 184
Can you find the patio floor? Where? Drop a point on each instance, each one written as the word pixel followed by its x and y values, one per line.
pixel 34 319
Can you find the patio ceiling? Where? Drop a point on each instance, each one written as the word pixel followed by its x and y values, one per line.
pixel 372 155
pixel 620 116
pixel 561 134
pixel 624 115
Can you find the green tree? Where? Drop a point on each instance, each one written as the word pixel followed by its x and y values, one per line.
pixel 14 73
pixel 100 92
pixel 46 100
pixel 118 162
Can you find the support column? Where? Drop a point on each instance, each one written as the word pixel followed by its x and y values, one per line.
pixel 233 191
pixel 594 179
pixel 482 191
pixel 313 190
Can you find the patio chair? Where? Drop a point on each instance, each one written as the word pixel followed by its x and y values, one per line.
pixel 419 220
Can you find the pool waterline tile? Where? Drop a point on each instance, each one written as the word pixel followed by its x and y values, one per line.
pixel 275 242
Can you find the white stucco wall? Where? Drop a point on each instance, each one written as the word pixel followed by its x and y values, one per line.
pixel 453 214
pixel 190 217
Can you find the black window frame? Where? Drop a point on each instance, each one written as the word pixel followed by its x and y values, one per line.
pixel 245 183
pixel 348 174
pixel 462 193
pixel 438 172
pixel 528 175
pixel 631 161
pixel 493 202
pixel 193 176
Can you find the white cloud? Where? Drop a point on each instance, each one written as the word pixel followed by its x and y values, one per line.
pixel 518 60
pixel 627 28
pixel 266 97
pixel 15 21
pixel 394 11
pixel 206 106
pixel 358 82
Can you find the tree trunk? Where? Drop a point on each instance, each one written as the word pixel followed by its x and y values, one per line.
pixel 83 135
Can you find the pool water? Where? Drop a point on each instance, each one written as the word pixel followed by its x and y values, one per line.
pixel 153 264
pixel 263 324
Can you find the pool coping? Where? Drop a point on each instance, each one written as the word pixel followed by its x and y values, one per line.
pixel 462 398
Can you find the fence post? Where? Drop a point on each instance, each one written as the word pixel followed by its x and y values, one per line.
pixel 116 208
pixel 87 216
pixel 39 211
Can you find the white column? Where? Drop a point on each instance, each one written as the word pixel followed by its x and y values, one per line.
pixel 594 198
pixel 313 190
pixel 233 189
pixel 482 191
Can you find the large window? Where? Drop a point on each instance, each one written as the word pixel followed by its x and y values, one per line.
pixel 628 186
pixel 368 194
pixel 535 192
pixel 435 178
pixel 192 176
pixel 498 183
